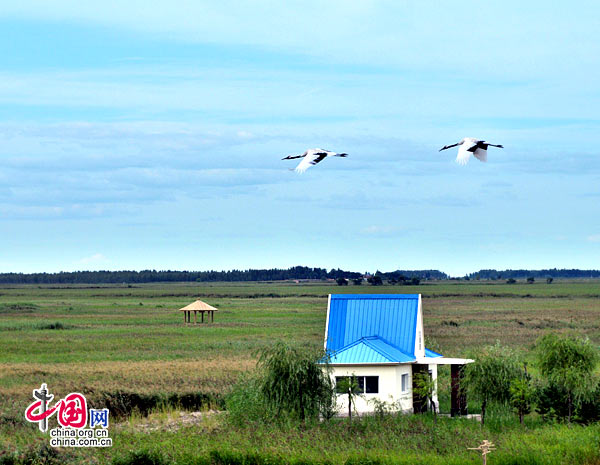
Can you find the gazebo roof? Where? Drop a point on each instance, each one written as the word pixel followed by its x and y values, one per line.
pixel 198 305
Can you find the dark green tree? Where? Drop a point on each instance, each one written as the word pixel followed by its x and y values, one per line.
pixel 375 281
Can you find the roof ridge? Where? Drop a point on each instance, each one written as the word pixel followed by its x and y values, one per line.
pixel 379 351
pixel 363 340
pixel 384 353
pixel 395 347
pixel 346 347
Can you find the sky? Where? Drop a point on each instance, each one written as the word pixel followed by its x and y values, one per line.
pixel 149 135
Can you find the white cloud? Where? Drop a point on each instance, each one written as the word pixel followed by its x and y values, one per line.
pixel 594 238
pixel 94 259
pixel 377 230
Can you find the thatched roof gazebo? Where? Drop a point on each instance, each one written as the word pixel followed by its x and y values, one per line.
pixel 198 306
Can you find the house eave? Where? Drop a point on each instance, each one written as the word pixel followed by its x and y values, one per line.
pixel 443 361
pixel 366 364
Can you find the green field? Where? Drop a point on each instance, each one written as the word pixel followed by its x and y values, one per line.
pixel 132 338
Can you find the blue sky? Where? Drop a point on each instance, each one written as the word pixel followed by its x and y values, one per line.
pixel 149 135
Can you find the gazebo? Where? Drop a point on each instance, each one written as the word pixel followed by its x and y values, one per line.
pixel 198 306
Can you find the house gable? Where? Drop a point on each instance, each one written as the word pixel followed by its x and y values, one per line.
pixel 393 318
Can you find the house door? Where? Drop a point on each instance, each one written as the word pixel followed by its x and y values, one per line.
pixel 419 402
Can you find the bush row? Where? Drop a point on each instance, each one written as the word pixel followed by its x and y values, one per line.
pixel 124 403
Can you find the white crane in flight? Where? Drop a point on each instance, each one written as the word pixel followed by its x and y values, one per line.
pixel 312 157
pixel 469 146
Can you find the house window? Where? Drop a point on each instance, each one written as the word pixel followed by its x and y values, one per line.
pixel 371 384
pixel 366 384
pixel 404 380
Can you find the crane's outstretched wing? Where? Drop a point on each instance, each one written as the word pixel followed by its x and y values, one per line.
pixel 309 160
pixel 465 151
pixel 481 154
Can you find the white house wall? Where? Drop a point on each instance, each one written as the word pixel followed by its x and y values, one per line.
pixel 390 384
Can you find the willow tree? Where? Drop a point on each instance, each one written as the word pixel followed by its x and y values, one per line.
pixel 293 381
pixel 568 361
pixel 490 376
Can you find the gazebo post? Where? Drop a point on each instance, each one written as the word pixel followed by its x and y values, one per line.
pixel 195 317
pixel 212 316
pixel 203 316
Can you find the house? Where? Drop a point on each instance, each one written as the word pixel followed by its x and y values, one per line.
pixel 379 339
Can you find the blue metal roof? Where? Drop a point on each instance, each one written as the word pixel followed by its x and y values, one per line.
pixel 390 317
pixel 369 350
pixel 430 353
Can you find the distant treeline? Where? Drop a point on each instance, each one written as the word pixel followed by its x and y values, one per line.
pixel 274 274
pixel 401 275
pixel 538 274
pixel 152 276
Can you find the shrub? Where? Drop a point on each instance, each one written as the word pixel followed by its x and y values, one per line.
pixel 142 457
pixel 589 410
pixel 123 403
pixel 8 459
pixel 246 403
pixel 55 325
pixel 38 453
pixel 550 400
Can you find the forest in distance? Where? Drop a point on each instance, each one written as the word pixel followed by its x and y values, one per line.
pixel 277 274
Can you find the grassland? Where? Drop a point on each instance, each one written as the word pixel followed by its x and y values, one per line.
pixel 132 338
